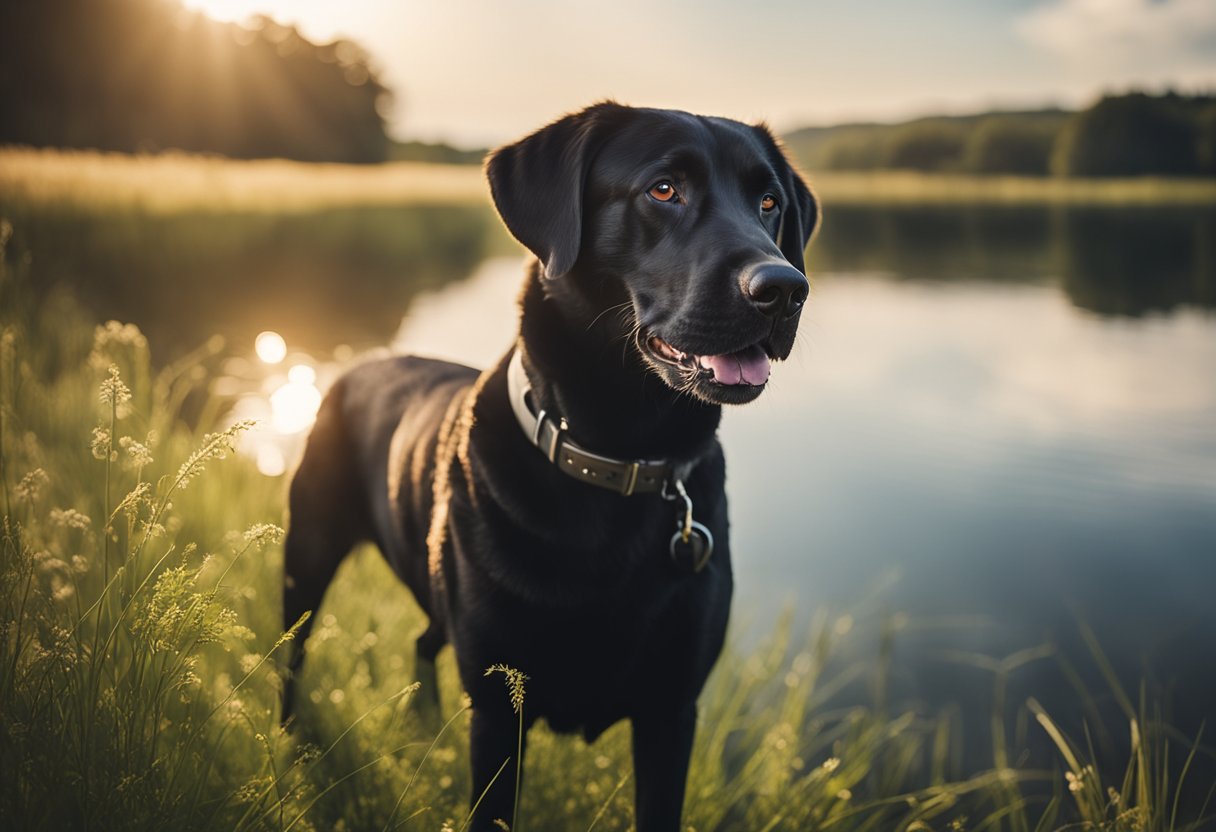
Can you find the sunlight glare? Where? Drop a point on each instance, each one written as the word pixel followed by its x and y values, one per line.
pixel 270 460
pixel 322 20
pixel 270 347
pixel 294 406
pixel 302 374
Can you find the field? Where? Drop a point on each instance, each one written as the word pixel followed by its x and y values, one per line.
pixel 213 184
pixel 139 596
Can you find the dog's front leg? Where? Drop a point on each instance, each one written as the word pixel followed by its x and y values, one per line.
pixel 662 744
pixel 496 749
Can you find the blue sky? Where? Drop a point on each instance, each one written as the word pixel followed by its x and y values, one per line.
pixel 478 72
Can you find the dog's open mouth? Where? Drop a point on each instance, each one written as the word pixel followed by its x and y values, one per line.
pixel 726 378
pixel 749 365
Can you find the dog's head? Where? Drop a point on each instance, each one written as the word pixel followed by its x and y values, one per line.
pixel 696 224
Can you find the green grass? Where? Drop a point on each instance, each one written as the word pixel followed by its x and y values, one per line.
pixel 140 568
pixel 179 183
pixel 910 188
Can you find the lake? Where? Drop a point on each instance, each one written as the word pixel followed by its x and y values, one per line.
pixel 998 426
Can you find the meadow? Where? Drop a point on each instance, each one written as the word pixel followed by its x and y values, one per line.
pixel 86 179
pixel 139 598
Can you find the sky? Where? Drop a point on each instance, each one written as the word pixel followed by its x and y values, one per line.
pixel 481 72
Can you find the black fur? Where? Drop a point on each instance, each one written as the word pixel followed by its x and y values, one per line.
pixel 514 562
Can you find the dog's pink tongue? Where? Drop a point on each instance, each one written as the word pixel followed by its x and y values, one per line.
pixel 749 366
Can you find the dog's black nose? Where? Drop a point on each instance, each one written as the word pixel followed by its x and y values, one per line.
pixel 777 290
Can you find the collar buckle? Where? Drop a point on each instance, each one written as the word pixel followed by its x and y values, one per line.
pixel 548 433
pixel 631 479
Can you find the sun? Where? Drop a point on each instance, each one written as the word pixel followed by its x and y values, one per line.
pixel 235 11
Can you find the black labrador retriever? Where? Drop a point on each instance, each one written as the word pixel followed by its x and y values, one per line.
pixel 563 512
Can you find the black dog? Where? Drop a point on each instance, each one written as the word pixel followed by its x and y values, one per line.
pixel 670 272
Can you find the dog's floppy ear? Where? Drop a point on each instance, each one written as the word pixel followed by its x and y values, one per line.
pixel 800 218
pixel 537 185
pixel 798 221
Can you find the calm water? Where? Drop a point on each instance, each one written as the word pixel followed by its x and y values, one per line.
pixel 1003 420
pixel 998 423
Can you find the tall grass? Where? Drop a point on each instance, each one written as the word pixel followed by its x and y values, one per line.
pixel 180 183
pixel 139 602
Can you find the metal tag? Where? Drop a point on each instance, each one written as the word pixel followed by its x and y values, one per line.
pixel 691 552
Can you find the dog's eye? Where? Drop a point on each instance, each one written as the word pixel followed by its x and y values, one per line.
pixel 767 203
pixel 663 191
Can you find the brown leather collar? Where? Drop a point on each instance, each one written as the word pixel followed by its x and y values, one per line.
pixel 549 433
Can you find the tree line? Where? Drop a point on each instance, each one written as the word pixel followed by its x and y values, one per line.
pixel 1134 134
pixel 147 75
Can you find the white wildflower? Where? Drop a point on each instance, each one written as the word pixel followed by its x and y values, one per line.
pixel 113 391
pixel 101 445
pixel 262 534
pixel 69 518
pixel 31 485
pixel 138 454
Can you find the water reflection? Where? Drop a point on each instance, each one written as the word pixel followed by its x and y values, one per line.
pixel 319 278
pixel 1109 260
pixel 283 406
pixel 977 463
pixel 346 275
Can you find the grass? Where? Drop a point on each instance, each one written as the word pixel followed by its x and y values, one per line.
pixel 891 187
pixel 90 180
pixel 139 595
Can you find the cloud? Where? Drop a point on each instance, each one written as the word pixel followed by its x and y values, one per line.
pixel 1159 38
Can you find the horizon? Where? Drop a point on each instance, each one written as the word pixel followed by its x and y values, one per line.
pixel 878 64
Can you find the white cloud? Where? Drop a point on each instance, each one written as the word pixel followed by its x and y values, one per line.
pixel 1161 39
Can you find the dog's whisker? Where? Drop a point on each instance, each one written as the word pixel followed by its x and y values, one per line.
pixel 613 308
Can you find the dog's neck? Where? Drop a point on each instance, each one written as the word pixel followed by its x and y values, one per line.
pixel 584 367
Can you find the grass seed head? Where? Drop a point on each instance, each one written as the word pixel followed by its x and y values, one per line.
pixel 515 683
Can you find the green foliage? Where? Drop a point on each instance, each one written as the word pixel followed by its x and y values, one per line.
pixel 1004 144
pixel 1131 135
pixel 148 75
pixel 925 145
pixel 858 149
pixel 1205 126
pixel 435 153
pixel 1119 136
pixel 933 143
pixel 138 689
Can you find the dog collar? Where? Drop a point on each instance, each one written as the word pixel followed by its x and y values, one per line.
pixel 547 432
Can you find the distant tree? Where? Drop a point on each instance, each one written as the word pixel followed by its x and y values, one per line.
pixel 440 153
pixel 852 150
pixel 1012 145
pixel 1205 124
pixel 1130 135
pixel 136 75
pixel 930 145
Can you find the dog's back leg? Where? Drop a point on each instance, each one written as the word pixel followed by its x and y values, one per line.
pixel 426 648
pixel 328 517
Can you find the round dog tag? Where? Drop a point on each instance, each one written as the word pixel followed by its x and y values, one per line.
pixel 694 553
